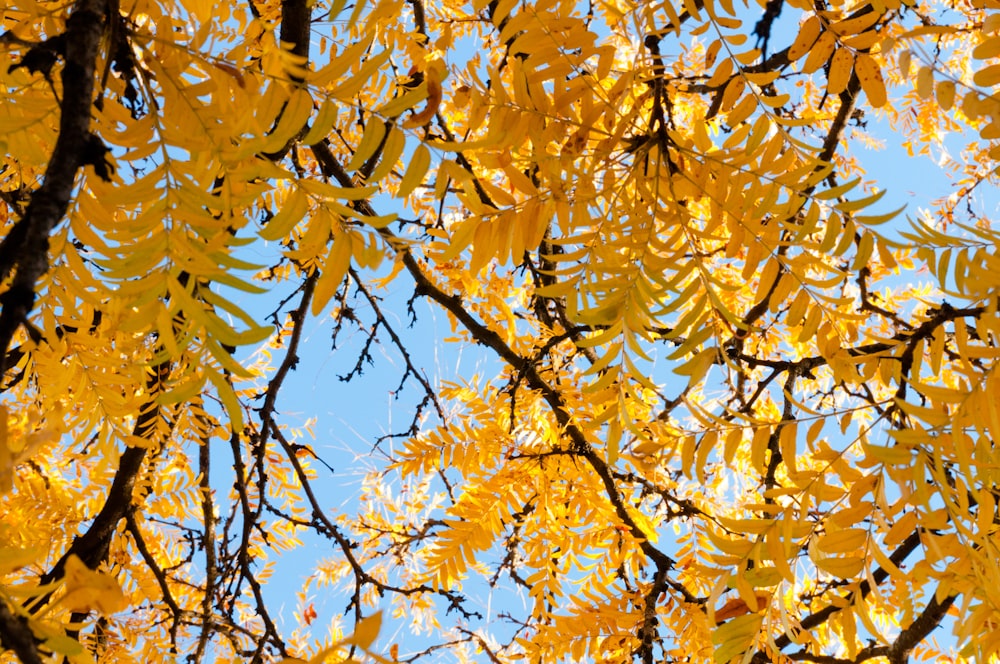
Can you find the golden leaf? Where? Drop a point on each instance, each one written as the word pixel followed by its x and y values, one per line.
pixel 820 53
pixel 367 631
pixel 842 568
pixel 852 26
pixel 841 68
pixel 870 76
pixel 925 82
pixel 432 77
pixel 843 541
pixel 808 34
pixel 87 590
pixel 371 141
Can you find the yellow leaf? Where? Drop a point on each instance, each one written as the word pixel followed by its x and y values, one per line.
pixel 731 609
pixel 367 631
pixel 863 42
pixel 861 203
pixel 839 190
pixel 925 82
pixel 340 63
pixel 323 123
pixel 787 438
pixel 842 568
pixel 6 455
pixel 349 88
pixel 403 102
pixel 775 101
pixel 747 526
pixel 990 48
pixel 903 62
pixel 64 644
pixel 228 398
pixel 721 74
pixel 843 541
pixel 87 590
pixel 733 638
pixel 876 219
pixel 183 391
pixel 852 26
pixel 945 92
pixel 395 142
pixel 849 516
pixel 934 417
pixel 371 140
pixel 886 563
pixel 733 90
pixel 14 558
pixel 698 366
pixel 929 29
pixel 820 53
pixel 415 172
pixel 712 52
pixel 902 529
pixel 742 110
pixel 432 77
pixel 614 437
pixel 706 446
pixel 293 118
pixel 841 66
pixel 333 271
pixel 293 208
pixel 870 76
pixel 808 34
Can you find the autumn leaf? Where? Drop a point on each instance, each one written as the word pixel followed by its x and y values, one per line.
pixel 870 75
pixel 89 590
pixel 841 68
pixel 804 41
pixel 366 631
pixel 514 324
pixel 433 76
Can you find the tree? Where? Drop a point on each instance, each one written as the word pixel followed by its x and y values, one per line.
pixel 743 410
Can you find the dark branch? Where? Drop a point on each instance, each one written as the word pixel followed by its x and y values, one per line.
pixel 84 30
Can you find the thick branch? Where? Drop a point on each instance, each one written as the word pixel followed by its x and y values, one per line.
pixel 17 636
pixel 918 630
pixel 92 547
pixel 295 21
pixel 84 29
pixel 897 557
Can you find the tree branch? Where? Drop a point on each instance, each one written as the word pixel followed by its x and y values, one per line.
pixel 48 205
pixel 16 635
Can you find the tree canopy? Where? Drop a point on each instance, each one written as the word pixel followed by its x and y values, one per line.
pixel 738 406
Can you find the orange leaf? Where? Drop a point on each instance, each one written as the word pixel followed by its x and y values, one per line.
pixel 731 609
pixel 434 94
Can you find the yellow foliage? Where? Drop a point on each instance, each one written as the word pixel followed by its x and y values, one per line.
pixel 732 401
